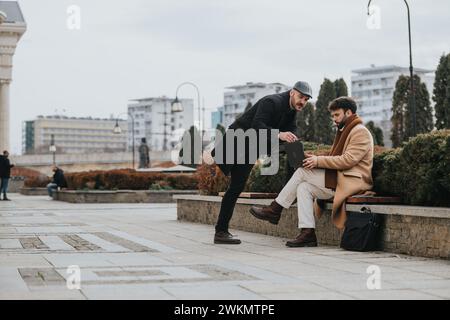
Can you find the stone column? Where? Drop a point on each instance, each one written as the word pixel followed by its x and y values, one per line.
pixel 10 34
pixel 4 115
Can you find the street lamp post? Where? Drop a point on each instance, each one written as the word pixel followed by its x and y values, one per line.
pixel 53 148
pixel 411 69
pixel 118 130
pixel 178 107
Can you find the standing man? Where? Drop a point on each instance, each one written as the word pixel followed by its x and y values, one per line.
pixel 277 111
pixel 144 154
pixel 5 174
pixel 346 171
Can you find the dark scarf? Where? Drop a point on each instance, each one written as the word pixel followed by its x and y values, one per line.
pixel 338 148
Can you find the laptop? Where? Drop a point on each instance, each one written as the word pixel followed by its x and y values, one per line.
pixel 295 154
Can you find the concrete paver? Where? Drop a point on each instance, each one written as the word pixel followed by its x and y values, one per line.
pixel 141 251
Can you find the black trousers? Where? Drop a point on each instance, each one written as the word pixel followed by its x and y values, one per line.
pixel 239 175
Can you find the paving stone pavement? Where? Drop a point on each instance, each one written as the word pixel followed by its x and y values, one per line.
pixel 141 251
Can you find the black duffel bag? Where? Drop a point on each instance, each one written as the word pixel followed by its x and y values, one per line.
pixel 362 231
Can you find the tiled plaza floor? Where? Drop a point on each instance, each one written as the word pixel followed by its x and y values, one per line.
pixel 140 251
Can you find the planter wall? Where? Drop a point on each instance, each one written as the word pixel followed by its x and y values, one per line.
pixel 120 196
pixel 15 184
pixel 34 191
pixel 417 231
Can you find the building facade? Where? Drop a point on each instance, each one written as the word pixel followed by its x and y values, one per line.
pixel 373 89
pixel 217 118
pixel 239 97
pixel 73 135
pixel 12 27
pixel 154 121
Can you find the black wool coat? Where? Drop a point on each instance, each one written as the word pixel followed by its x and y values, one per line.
pixel 270 113
pixel 5 167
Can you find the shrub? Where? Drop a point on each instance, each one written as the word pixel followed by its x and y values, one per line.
pixel 386 171
pixel 267 183
pixel 274 183
pixel 419 172
pixel 33 178
pixel 211 180
pixel 25 172
pixel 129 179
pixel 40 181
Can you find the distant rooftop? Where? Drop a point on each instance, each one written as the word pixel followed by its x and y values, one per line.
pixel 255 85
pixel 162 98
pixel 13 12
pixel 389 68
pixel 59 117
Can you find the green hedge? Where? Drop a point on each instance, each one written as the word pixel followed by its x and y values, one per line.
pixel 262 183
pixel 126 179
pixel 419 172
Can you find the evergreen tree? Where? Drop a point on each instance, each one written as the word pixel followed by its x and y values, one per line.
pixel 399 102
pixel 424 116
pixel 341 88
pixel 194 139
pixel 402 117
pixel 441 93
pixel 305 123
pixel 323 124
pixel 376 132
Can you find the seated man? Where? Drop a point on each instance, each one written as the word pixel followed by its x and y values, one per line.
pixel 346 171
pixel 59 181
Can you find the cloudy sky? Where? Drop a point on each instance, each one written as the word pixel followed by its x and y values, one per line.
pixel 144 48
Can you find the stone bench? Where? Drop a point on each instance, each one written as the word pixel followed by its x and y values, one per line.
pixel 357 199
pixel 412 230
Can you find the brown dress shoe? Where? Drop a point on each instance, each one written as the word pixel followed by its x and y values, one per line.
pixel 224 237
pixel 306 238
pixel 271 213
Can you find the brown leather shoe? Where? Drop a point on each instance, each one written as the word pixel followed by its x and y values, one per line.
pixel 224 237
pixel 271 213
pixel 306 238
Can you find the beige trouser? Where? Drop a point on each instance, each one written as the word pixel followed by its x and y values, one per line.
pixel 305 185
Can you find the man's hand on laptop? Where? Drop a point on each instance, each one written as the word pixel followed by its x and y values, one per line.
pixel 310 162
pixel 287 136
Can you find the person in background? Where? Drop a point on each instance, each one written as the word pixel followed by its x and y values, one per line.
pixel 58 182
pixel 144 154
pixel 5 174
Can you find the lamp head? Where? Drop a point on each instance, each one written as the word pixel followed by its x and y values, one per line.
pixel 177 106
pixel 117 129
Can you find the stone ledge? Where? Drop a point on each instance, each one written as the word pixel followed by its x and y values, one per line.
pixel 120 196
pixel 429 212
pixel 15 184
pixel 416 231
pixel 34 191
